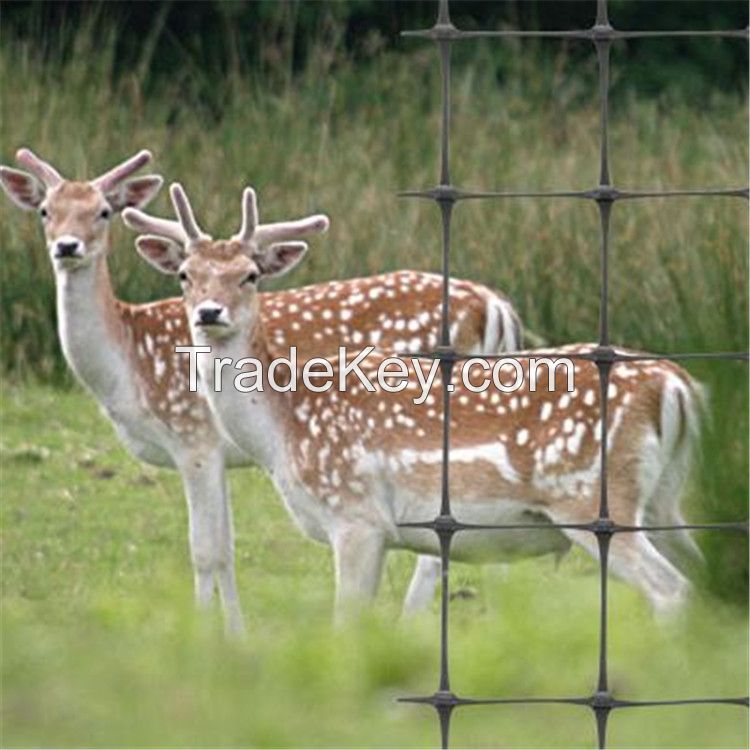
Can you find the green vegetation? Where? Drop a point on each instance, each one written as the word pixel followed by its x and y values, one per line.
pixel 344 139
pixel 100 642
pixel 165 39
pixel 101 645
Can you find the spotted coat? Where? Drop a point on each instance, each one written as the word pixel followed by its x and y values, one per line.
pixel 317 319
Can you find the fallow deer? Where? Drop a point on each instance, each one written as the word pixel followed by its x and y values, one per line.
pixel 125 354
pixel 352 466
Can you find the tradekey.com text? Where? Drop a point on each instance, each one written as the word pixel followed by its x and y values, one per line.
pixel 391 373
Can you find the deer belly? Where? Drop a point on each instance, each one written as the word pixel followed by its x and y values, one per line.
pixel 498 545
pixel 507 545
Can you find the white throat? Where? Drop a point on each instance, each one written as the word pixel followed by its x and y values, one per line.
pixel 88 330
pixel 247 419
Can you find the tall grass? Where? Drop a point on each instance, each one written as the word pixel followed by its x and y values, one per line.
pixel 344 139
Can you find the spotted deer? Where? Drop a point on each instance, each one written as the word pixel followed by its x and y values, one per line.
pixel 125 354
pixel 352 466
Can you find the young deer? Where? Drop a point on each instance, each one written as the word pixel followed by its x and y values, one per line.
pixel 353 465
pixel 125 354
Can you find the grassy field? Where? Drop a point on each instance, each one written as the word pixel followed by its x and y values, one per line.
pixel 101 645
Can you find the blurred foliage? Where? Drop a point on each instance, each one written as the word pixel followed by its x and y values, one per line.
pixel 206 41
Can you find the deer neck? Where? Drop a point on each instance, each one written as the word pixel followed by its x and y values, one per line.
pixel 92 334
pixel 255 420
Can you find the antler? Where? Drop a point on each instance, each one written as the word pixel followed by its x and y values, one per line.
pixel 183 231
pixel 44 171
pixel 267 234
pixel 142 222
pixel 185 213
pixel 249 216
pixel 117 174
pixel 186 229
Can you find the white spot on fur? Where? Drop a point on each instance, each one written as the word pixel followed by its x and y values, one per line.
pixel 492 453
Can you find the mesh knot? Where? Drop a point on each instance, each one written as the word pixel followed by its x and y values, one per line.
pixel 446 524
pixel 602 32
pixel 602 699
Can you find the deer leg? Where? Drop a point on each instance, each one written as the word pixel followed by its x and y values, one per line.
pixel 662 508
pixel 358 554
pixel 423 584
pixel 211 536
pixel 634 559
pixel 637 560
pixel 225 571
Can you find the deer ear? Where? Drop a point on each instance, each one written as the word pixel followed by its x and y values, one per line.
pixel 135 193
pixel 163 254
pixel 280 258
pixel 23 189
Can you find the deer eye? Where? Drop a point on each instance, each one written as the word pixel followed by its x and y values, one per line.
pixel 183 277
pixel 251 278
pixel 105 214
pixel 43 213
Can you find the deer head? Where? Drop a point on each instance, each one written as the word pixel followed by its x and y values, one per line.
pixel 76 215
pixel 220 277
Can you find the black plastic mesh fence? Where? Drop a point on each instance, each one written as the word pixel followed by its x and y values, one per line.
pixel 602 35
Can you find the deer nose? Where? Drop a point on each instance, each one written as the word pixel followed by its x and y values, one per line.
pixel 209 315
pixel 66 248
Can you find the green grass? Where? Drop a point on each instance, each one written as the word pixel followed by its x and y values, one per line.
pixel 101 646
pixel 100 642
